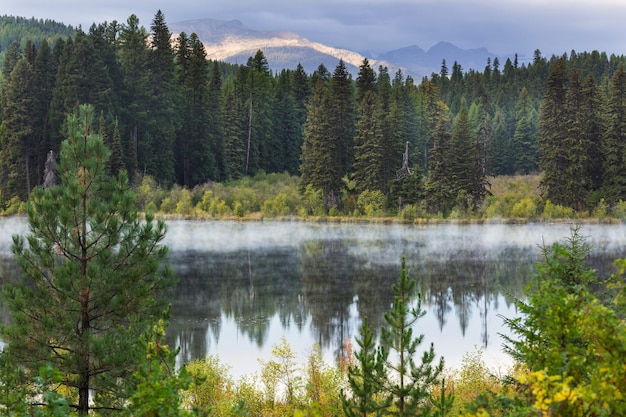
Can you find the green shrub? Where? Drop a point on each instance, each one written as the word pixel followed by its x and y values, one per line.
pixel 371 203
pixel 601 210
pixel 211 387
pixel 184 206
pixel 409 212
pixel 277 206
pixel 313 201
pixel 205 202
pixel 15 206
pixel 555 211
pixel 526 208
pixel 167 205
pixel 148 191
pixel 238 209
pixel 471 380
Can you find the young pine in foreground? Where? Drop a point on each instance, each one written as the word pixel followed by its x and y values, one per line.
pixel 92 272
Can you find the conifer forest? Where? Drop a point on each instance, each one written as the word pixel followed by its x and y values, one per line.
pixel 167 112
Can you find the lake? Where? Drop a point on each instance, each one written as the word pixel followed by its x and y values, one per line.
pixel 243 286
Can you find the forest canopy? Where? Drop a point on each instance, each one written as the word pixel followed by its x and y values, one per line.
pixel 168 113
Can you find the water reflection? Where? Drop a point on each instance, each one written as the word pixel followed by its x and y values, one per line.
pixel 316 284
pixel 243 286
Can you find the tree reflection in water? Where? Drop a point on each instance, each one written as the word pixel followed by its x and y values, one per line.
pixel 244 286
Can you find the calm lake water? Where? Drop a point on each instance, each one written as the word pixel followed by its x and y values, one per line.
pixel 245 286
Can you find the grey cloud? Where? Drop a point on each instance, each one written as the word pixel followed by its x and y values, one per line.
pixel 503 27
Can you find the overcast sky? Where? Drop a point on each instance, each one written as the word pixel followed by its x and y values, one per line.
pixel 504 27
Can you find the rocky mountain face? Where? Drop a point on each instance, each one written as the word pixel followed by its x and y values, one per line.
pixel 233 42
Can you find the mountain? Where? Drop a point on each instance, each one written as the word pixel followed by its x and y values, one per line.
pixel 416 60
pixel 233 42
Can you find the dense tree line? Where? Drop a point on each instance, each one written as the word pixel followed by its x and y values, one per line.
pixel 22 30
pixel 168 112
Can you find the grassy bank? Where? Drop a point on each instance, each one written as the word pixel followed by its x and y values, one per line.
pixel 513 199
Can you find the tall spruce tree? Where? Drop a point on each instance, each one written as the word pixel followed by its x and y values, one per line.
pixel 288 130
pixel 263 150
pixel 116 161
pixel 195 162
pixel 577 183
pixel 440 191
pixel 552 132
pixel 18 141
pixel 369 150
pixel 234 134
pixel 392 141
pixel 592 120
pixel 44 74
pixel 525 138
pixel 342 112
pixel 500 149
pixel 93 272
pixel 301 88
pixel 156 147
pixel 614 149
pixel 320 167
pixel 365 81
pixel 462 163
pixel 133 55
pixel 215 120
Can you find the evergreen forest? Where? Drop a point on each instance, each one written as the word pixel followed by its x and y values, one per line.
pixel 173 117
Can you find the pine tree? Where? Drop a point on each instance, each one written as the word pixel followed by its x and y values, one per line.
pixel 93 273
pixel 409 383
pixel 364 377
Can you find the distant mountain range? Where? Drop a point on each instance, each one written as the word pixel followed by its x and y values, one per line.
pixel 233 42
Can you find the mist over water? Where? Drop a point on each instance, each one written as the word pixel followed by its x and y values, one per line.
pixel 245 285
